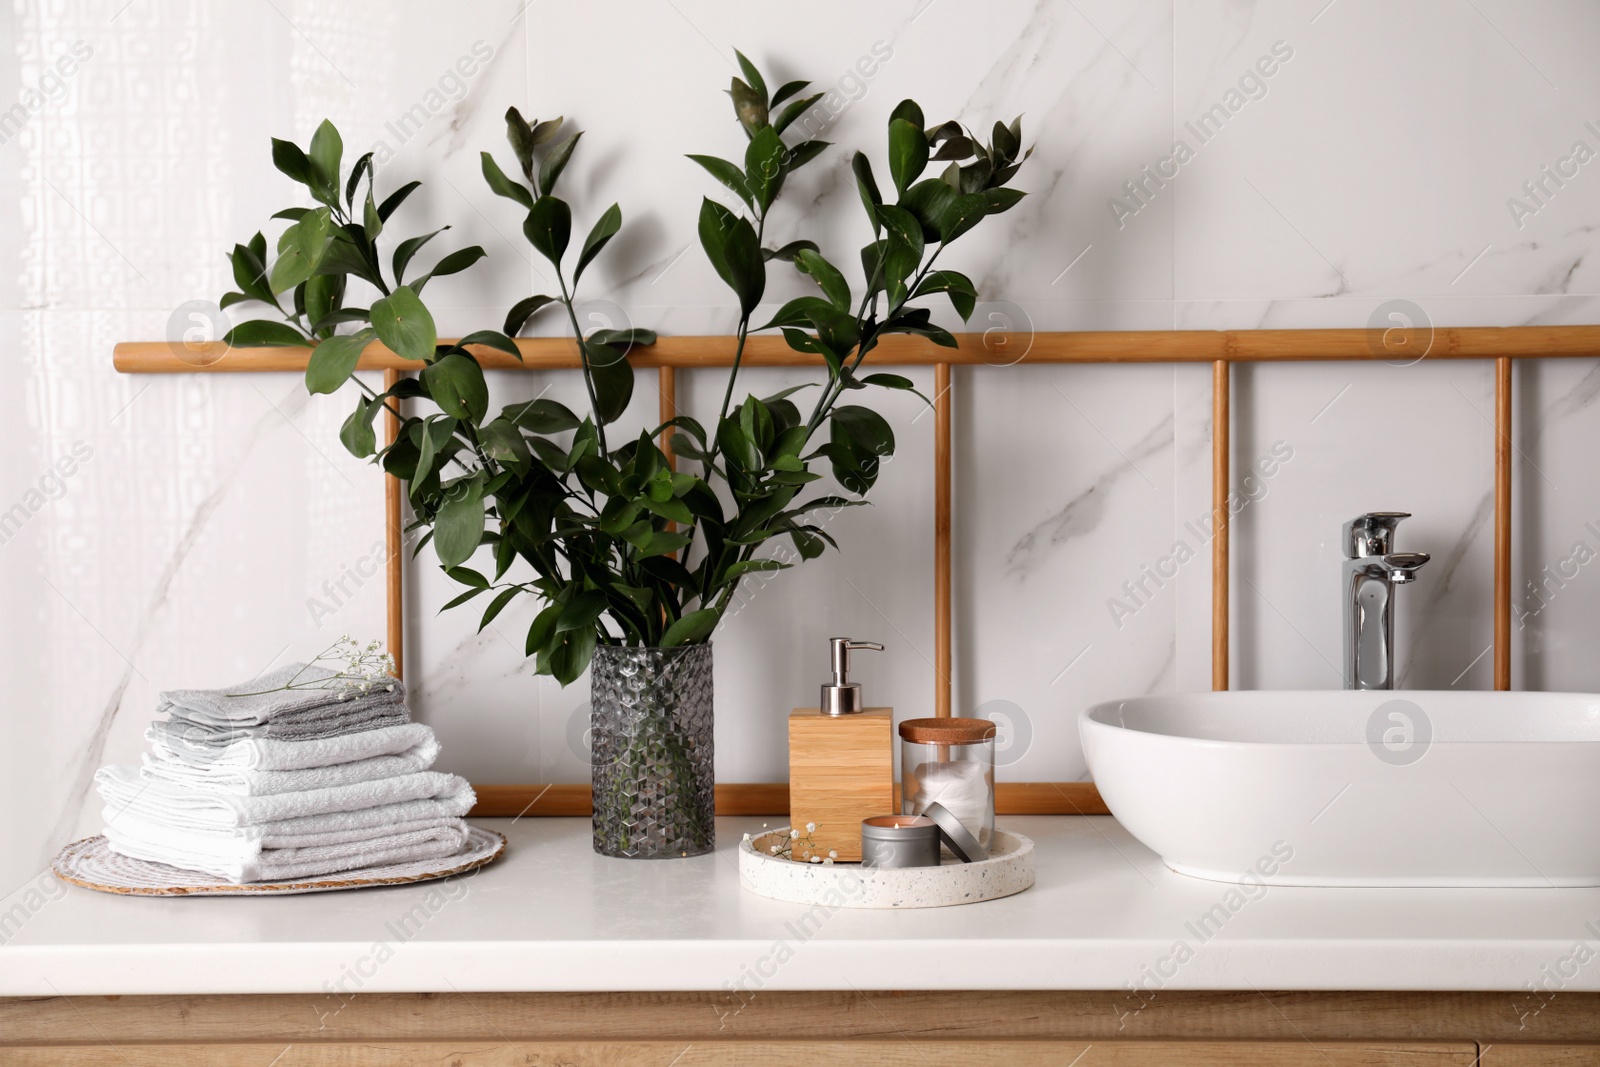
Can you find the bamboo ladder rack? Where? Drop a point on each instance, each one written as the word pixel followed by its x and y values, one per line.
pixel 1221 349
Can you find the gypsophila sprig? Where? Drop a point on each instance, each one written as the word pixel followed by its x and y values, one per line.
pixel 358 670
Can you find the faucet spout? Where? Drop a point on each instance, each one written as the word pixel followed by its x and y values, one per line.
pixel 1371 571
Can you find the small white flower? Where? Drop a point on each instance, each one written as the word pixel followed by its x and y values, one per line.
pixel 747 837
pixel 828 861
pixel 773 850
pixel 811 827
pixel 816 859
pixel 833 854
pixel 794 834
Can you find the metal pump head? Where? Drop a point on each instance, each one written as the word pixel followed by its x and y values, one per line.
pixel 842 696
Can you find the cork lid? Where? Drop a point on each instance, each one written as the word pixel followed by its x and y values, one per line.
pixel 947 731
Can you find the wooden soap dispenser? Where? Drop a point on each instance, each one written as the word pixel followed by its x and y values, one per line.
pixel 841 764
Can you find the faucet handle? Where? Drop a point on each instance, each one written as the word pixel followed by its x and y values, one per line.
pixel 1372 534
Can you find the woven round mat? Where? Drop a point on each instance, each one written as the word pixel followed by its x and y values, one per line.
pixel 91 864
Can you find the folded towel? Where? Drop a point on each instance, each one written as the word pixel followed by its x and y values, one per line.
pixel 332 721
pixel 277 864
pixel 248 842
pixel 261 700
pixel 243 782
pixel 124 789
pixel 272 754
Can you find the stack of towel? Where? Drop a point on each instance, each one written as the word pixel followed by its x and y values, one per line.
pixel 285 783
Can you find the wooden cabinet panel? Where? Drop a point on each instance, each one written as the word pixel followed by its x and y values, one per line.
pixel 1535 1055
pixel 880 1053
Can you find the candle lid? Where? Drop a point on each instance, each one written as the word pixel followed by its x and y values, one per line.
pixel 947 731
pixel 963 845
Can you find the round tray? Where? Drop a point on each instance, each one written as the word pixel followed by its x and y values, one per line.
pixel 91 864
pixel 1008 870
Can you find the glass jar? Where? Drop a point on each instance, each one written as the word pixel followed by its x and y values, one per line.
pixel 950 761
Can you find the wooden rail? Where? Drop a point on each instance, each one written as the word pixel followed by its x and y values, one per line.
pixel 1221 349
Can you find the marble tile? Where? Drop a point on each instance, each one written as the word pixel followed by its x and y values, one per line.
pixel 213 524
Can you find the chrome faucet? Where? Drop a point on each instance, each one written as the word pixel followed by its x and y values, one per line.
pixel 1371 571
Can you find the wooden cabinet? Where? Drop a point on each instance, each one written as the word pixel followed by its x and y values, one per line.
pixel 908 1029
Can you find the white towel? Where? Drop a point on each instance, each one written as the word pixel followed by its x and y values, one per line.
pixel 247 842
pixel 271 754
pixel 242 781
pixel 271 865
pixel 123 789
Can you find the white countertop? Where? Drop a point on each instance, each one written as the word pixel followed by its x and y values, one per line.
pixel 551 915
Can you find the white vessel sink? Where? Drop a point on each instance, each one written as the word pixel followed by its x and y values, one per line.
pixel 1357 788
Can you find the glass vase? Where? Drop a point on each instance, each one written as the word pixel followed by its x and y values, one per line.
pixel 651 739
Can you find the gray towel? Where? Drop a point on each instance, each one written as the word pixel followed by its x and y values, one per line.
pixel 202 741
pixel 261 701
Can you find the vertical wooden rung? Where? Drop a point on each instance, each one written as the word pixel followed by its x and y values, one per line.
pixel 393 539
pixel 1502 522
pixel 942 635
pixel 1220 425
pixel 667 383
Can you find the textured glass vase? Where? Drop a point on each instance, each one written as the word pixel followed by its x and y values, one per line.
pixel 650 719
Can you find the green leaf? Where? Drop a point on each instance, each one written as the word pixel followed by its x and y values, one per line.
pixel 408 248
pixel 497 605
pixel 748 566
pixel 492 339
pixel 582 611
pixel 543 416
pixel 789 251
pixel 323 294
pixel 453 263
pixel 692 628
pixel 363 166
pixel 300 248
pixel 749 106
pixel 327 150
pixel 334 360
pixel 804 153
pixel 865 428
pixel 548 227
pixel 458 525
pixel 728 174
pixel 403 323
pixel 555 163
pixel 522 311
pixel 827 276
pixel 259 333
pixel 963 214
pixel 504 442
pixel 908 153
pixel 910 112
pixel 999 201
pixel 763 166
pixel 786 90
pixel 612 375
pixel 288 158
pixel 393 201
pixel 455 382
pixel 604 229
pixel 738 447
pixel 627 339
pixel 520 135
pixel 787 116
pixel 752 75
pixel 904 253
pixel 542 629
pixel 502 185
pixel 963 294
pixel 731 245
pixel 867 186
pixel 570 655
pixel 927 201
pixel 357 434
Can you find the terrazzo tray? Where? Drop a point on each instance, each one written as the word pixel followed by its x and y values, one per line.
pixel 91 864
pixel 1008 870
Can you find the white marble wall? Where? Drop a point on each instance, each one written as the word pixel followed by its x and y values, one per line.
pixel 203 515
